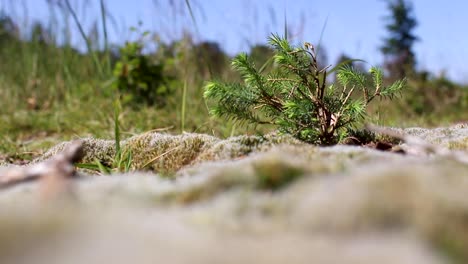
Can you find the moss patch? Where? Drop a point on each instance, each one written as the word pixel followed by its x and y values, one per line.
pixel 167 154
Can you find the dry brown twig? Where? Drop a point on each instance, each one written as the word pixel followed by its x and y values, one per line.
pixel 54 173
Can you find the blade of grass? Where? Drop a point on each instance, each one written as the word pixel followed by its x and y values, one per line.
pixel 233 130
pixel 187 3
pixel 106 40
pixel 158 157
pixel 268 62
pixel 129 162
pixel 204 53
pixel 124 163
pixel 338 66
pixel 89 166
pixel 103 169
pixel 117 128
pixel 184 100
pixel 285 23
pixel 322 32
pixel 85 38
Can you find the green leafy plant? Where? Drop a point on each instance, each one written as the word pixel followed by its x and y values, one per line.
pixel 295 95
pixel 138 78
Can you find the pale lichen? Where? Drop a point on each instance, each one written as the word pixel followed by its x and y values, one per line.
pixel 452 137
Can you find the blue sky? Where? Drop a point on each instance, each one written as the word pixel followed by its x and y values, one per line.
pixel 354 27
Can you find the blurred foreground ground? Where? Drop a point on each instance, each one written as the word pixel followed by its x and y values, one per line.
pixel 250 200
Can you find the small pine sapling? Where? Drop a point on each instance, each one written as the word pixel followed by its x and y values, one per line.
pixel 295 95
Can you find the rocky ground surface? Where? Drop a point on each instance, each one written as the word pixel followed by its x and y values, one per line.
pixel 247 199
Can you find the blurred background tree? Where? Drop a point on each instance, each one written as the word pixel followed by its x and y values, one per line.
pixel 398 46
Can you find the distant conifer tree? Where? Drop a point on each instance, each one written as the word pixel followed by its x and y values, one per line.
pixel 397 47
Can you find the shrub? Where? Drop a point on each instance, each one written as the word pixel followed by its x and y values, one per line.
pixel 295 95
pixel 138 78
